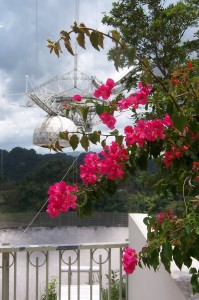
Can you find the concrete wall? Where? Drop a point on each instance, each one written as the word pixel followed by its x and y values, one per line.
pixel 108 219
pixel 145 284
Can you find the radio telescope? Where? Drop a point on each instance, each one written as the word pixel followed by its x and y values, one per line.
pixel 54 95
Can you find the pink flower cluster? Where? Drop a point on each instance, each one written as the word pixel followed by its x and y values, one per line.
pixel 147 131
pixel 111 165
pixel 89 172
pixel 114 160
pixel 105 90
pixel 129 260
pixel 108 119
pixel 77 98
pixel 174 153
pixel 166 216
pixel 61 198
pixel 140 97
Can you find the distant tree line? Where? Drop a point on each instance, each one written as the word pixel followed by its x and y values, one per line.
pixel 26 177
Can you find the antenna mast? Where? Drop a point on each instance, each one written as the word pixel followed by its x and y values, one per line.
pixel 75 58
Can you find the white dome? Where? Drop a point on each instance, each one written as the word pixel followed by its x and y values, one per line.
pixel 47 131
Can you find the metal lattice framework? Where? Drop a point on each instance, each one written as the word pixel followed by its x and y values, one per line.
pixel 52 95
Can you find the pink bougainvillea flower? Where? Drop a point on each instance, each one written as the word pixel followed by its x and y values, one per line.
pixel 105 90
pixel 140 97
pixel 89 172
pixel 174 153
pixel 125 103
pixel 129 260
pixel 110 83
pixel 146 131
pixel 197 178
pixel 77 98
pixel 108 119
pixel 190 64
pixel 162 216
pixel 169 156
pixel 195 167
pixel 142 94
pixel 167 121
pixel 110 166
pixel 113 162
pixel 61 198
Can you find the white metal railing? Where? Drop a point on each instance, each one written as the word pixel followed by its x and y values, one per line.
pixel 83 271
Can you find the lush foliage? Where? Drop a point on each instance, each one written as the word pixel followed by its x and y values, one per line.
pixel 165 128
pixel 154 29
pixel 52 294
pixel 114 287
pixel 25 180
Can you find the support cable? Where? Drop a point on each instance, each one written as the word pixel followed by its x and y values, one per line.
pixel 76 55
pixel 46 201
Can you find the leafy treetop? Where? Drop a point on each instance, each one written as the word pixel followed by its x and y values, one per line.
pixel 151 29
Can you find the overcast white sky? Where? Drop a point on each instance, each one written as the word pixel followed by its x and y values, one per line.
pixel 23 44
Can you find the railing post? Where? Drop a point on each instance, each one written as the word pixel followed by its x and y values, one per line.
pixel 5 276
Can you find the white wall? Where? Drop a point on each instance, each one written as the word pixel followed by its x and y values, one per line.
pixel 145 284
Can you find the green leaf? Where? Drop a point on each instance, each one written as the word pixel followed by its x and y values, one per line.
pixel 84 142
pixel 81 40
pixel 84 29
pixel 142 162
pixel 155 148
pixel 119 139
pixel 68 47
pixel 64 135
pixel 178 256
pixel 75 28
pixel 193 271
pixel 117 57
pixel 146 77
pixel 94 137
pixel 170 107
pixel 101 40
pixel 195 283
pixel 103 143
pixel 145 64
pixel 111 186
pixel 94 40
pixel 155 259
pixel 146 221
pixel 99 109
pixel 74 141
pixel 66 38
pixel 114 132
pixel 57 48
pixel 67 110
pixel 89 101
pixel 84 112
pixel 179 121
pixel 85 204
pixel 57 146
pixel 166 255
pixel 115 35
pixel 82 199
pixel 50 42
pixel 187 261
pixel 193 125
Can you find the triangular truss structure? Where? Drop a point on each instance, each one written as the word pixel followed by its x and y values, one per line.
pixel 55 93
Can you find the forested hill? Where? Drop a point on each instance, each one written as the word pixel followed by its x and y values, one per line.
pixel 19 163
pixel 26 176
